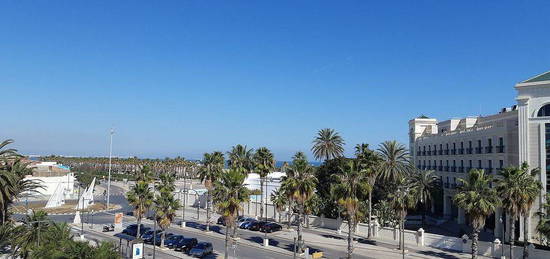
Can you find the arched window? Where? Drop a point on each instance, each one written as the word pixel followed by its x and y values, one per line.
pixel 544 111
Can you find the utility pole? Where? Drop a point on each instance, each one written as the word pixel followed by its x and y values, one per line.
pixel 109 179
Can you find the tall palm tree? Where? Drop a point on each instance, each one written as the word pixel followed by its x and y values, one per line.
pixel 230 192
pixel 279 199
pixel 478 200
pixel 141 198
pixel 14 185
pixel 300 183
pixel 165 203
pixel 240 157
pixel 327 144
pixel 350 186
pixel 531 191
pixel 367 163
pixel 512 190
pixel 395 160
pixel 423 183
pixel 264 163
pixel 401 200
pixel 543 227
pixel 209 173
pixel 7 152
pixel 29 235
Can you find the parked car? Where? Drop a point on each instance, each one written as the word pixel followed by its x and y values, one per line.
pixel 132 230
pixel 201 249
pixel 221 221
pixel 271 227
pixel 173 240
pixel 185 244
pixel 257 225
pixel 108 228
pixel 148 236
pixel 159 238
pixel 247 224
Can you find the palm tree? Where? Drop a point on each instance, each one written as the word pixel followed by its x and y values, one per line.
pixel 518 190
pixel 300 183
pixel 327 144
pixel 367 163
pixel 240 157
pixel 279 199
pixel 264 163
pixel 7 153
pixel 141 198
pixel 401 200
pixel 478 200
pixel 531 191
pixel 165 203
pixel 208 174
pixel 394 160
pixel 14 184
pixel 423 183
pixel 230 192
pixel 350 186
pixel 29 235
pixel 543 227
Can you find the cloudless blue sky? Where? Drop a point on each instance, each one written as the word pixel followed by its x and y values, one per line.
pixel 188 77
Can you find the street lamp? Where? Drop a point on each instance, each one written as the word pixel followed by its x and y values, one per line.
pixel 109 179
pixel 502 241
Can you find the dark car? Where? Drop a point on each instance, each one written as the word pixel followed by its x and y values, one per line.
pixel 148 236
pixel 271 227
pixel 185 244
pixel 132 230
pixel 257 225
pixel 173 240
pixel 221 221
pixel 247 224
pixel 159 238
pixel 202 249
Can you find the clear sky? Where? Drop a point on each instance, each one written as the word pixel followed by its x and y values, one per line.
pixel 188 77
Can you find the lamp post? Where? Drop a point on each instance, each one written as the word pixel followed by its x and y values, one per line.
pixel 109 179
pixel 502 243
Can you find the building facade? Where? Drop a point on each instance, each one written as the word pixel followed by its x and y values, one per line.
pixel 517 134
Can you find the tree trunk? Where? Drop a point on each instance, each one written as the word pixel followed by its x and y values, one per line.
pixel 512 234
pixel 261 198
pixel 300 215
pixel 475 236
pixel 208 203
pixel 369 229
pixel 138 226
pixel 162 237
pixel 350 239
pixel 226 254
pixel 525 237
pixel 424 216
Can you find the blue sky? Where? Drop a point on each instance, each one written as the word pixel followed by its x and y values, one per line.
pixel 188 77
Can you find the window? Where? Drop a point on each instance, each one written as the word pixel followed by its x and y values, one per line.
pixel 461 163
pixel 500 164
pixel 479 164
pixel 470 163
pixel 544 111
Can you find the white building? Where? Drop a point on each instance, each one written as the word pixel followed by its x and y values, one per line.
pixel 51 175
pixel 512 136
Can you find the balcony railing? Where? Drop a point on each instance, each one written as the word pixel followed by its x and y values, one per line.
pixel 489 149
pixel 500 149
pixel 446 151
pixel 446 169
pixel 478 150
pixel 461 151
pixel 488 170
pixel 467 169
pixel 423 153
pixel 453 151
pixel 461 169
pixel 440 152
pixel 453 168
pixel 469 151
pixel 440 168
pixel 453 186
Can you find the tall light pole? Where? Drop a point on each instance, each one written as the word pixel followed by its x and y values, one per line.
pixel 109 179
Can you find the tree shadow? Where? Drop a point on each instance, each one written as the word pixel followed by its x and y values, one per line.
pixel 438 254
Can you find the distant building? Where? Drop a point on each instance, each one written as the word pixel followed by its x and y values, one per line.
pixel 514 135
pixel 50 175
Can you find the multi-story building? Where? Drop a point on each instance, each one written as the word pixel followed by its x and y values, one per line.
pixel 515 135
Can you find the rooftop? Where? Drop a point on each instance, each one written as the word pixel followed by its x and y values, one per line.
pixel 539 78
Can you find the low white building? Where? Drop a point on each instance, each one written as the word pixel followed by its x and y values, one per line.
pixel 50 175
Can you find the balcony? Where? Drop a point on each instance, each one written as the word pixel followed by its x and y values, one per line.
pixel 440 168
pixel 453 151
pixel 419 166
pixel 446 185
pixel 418 153
pixel 461 151
pixel 440 152
pixel 489 170
pixel 469 151
pixel 453 186
pixel 489 149
pixel 461 169
pixel 478 150
pixel 446 152
pixel 500 149
pixel 453 168
pixel 423 153
pixel 446 169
